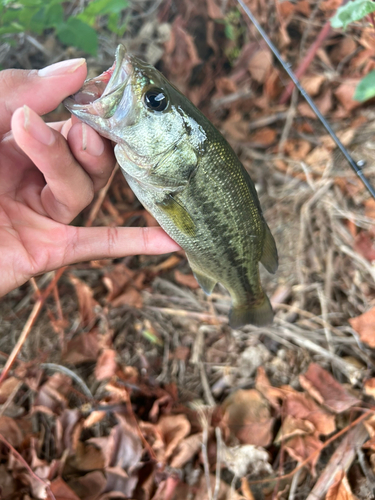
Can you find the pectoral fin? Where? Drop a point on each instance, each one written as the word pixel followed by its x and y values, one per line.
pixel 269 257
pixel 178 214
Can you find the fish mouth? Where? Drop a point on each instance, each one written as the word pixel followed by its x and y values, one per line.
pixel 100 96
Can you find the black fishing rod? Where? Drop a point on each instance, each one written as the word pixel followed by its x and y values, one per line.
pixel 356 166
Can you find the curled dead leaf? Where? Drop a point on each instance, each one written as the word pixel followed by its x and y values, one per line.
pixel 247 416
pixel 326 390
pixel 340 489
pixel 364 325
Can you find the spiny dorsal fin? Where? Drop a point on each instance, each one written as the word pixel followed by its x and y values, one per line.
pixel 179 215
pixel 269 257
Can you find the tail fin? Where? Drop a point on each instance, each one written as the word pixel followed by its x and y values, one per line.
pixel 259 314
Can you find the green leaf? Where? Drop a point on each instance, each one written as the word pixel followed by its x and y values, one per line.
pixel 114 26
pixel 366 88
pixel 79 34
pixel 351 12
pixel 101 8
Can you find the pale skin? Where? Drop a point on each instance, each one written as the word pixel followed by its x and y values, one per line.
pixel 48 175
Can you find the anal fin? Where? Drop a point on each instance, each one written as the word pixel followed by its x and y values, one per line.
pixel 205 282
pixel 269 257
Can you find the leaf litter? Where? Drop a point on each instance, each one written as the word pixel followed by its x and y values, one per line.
pixel 130 383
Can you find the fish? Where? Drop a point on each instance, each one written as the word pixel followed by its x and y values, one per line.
pixel 187 176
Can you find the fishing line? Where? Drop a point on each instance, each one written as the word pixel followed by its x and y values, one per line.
pixel 356 166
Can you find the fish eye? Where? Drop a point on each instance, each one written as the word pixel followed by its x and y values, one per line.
pixel 156 99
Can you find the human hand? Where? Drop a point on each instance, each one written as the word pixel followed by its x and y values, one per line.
pixel 48 174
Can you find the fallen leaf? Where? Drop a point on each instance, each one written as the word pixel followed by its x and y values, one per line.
pixel 326 390
pixel 364 325
pixel 340 489
pixel 263 137
pixel 10 430
pixel 7 387
pixel 173 429
pixel 260 65
pixel 186 450
pixel 370 208
pixel 53 393
pixel 116 279
pixel 82 348
pixel 312 83
pixel 301 406
pixel 89 486
pixel 369 387
pixel 297 149
pixel 86 302
pixel 273 394
pixel 292 427
pixel 345 94
pixel 364 245
pixel 213 10
pixel 61 490
pixel 106 365
pixel 302 447
pixel 247 416
pixel 186 279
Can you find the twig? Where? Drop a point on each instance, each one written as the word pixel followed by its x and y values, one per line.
pixel 294 485
pixel 367 471
pixel 205 385
pixel 206 465
pixel 99 201
pixel 219 443
pixel 27 466
pixel 267 120
pixel 341 459
pixel 190 314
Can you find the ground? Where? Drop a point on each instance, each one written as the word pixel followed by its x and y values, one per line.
pixel 130 383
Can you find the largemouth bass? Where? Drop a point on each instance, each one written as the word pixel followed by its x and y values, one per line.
pixel 187 176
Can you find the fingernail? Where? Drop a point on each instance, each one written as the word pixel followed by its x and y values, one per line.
pixel 95 145
pixel 36 127
pixel 62 67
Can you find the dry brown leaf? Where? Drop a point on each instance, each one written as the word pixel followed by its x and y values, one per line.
pixel 62 491
pixel 131 297
pixel 345 94
pixel 364 245
pixel 82 348
pixel 273 85
pixel 345 136
pixel 260 65
pixel 369 387
pixel 370 208
pixel 292 427
pixel 86 302
pixel 10 430
pixel 263 137
pixel 272 394
pixel 186 279
pixel 213 10
pixel 173 429
pixel 7 387
pixel 312 83
pixel 169 263
pixel 116 279
pixel 52 394
pixel 106 365
pixel 301 406
pixel 94 418
pixel 319 155
pixel 87 457
pixel 364 325
pixel 297 149
pixel 225 86
pixel 247 416
pixel 326 390
pixel 90 486
pixel 302 447
pixel 186 450
pixel 340 489
pixel 286 9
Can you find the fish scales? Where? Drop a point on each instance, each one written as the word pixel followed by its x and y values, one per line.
pixel 185 173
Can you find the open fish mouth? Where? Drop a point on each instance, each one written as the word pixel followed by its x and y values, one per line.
pixel 100 96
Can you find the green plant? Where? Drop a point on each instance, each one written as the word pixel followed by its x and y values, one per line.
pixel 37 16
pixel 350 13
